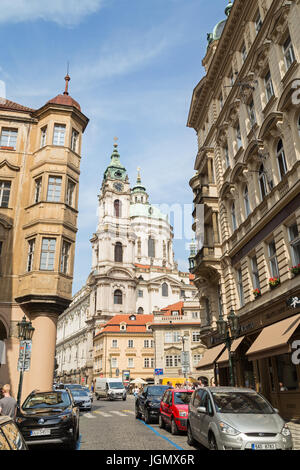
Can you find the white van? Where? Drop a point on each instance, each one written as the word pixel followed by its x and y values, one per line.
pixel 109 388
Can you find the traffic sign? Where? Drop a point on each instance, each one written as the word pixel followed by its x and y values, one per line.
pixel 24 355
pixel 158 372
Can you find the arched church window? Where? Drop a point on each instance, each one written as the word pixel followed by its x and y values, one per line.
pixel 140 310
pixel 118 297
pixel 151 247
pixel 281 159
pixel 117 208
pixel 165 290
pixel 118 252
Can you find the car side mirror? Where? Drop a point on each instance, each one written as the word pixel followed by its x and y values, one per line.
pixel 276 410
pixel 201 409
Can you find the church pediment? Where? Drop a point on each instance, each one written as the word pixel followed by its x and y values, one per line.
pixel 169 279
pixel 173 350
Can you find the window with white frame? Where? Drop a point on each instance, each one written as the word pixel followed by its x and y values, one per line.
pixel 273 263
pixel 74 140
pixel 30 254
pixel 114 362
pixel 255 274
pixel 9 138
pixel 281 159
pixel 226 155
pixel 146 362
pixel 288 52
pixel 5 187
pixel 114 343
pixel 48 254
pixel 172 337
pixel 196 336
pixel 152 362
pixel 146 343
pixel 152 343
pixel 65 257
pixel 54 188
pixel 197 358
pixel 130 362
pixel 294 244
pixel 43 136
pixel 70 193
pixel 130 343
pixel 240 287
pixel 269 86
pixel 59 134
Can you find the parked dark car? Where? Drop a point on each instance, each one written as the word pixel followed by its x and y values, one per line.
pixel 49 418
pixel 147 403
pixel 10 436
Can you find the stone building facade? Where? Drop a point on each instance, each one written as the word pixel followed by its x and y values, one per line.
pixel 40 153
pixel 246 112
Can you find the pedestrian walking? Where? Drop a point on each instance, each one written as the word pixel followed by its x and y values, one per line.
pixel 8 405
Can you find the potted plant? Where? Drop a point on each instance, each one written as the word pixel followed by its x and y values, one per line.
pixel 295 269
pixel 257 293
pixel 274 282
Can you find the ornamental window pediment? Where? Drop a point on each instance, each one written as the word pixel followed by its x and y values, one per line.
pixel 227 192
pixel 260 61
pixel 233 112
pixel 279 23
pixel 221 136
pixel 272 126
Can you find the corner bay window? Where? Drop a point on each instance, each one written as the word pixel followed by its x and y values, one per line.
pixel 37 190
pixel 74 140
pixel 54 188
pixel 31 246
pixel 70 193
pixel 65 255
pixel 59 134
pixel 173 361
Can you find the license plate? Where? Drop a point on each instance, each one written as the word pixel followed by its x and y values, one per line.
pixel 40 432
pixel 263 446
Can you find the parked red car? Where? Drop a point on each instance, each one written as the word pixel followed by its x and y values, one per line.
pixel 174 409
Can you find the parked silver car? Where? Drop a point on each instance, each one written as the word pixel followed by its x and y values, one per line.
pixel 227 418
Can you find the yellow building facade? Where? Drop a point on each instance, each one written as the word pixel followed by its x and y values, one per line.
pixel 246 112
pixel 40 153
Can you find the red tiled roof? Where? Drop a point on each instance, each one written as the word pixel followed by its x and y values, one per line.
pixel 132 326
pixel 10 105
pixel 177 306
pixel 65 100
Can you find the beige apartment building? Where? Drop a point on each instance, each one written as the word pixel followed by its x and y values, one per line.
pixel 176 329
pixel 40 153
pixel 124 348
pixel 246 113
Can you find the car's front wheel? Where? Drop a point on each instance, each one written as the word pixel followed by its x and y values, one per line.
pixel 147 417
pixel 137 413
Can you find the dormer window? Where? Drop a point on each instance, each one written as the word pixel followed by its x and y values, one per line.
pixel 123 327
pixel 132 318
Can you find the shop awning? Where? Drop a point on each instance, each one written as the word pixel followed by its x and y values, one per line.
pixel 274 339
pixel 210 356
pixel 223 360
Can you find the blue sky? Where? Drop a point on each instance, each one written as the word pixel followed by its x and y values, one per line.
pixel 133 66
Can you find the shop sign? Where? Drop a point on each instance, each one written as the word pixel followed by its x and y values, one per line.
pixel 293 302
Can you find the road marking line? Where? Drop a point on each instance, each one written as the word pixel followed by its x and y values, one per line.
pixel 160 435
pixel 128 411
pixel 88 415
pixel 118 413
pixel 106 415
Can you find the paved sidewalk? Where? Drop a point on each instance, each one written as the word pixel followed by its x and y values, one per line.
pixel 295 430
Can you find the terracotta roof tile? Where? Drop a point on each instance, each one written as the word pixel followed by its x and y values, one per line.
pixel 65 100
pixel 10 105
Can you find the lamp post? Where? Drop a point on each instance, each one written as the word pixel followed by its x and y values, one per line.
pixel 228 330
pixel 25 333
pixel 183 338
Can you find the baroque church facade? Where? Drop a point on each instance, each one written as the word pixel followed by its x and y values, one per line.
pixel 133 270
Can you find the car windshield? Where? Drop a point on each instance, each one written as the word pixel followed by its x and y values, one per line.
pixel 182 398
pixel 47 400
pixel 116 385
pixel 74 386
pixel 79 393
pixel 156 391
pixel 241 403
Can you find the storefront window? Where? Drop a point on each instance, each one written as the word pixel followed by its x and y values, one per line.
pixel 287 373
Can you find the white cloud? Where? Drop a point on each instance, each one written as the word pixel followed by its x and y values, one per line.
pixel 63 12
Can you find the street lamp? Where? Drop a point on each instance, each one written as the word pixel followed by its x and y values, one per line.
pixel 228 330
pixel 183 338
pixel 25 333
